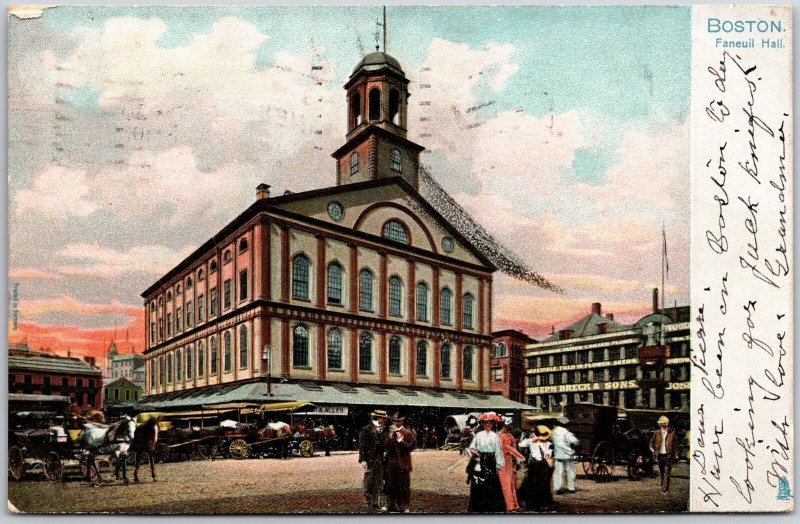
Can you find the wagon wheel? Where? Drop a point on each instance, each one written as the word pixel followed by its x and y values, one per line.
pixel 307 448
pixel 16 463
pixel 207 451
pixel 88 470
pixel 603 462
pixel 53 466
pixel 238 449
pixel 637 464
pixel 587 466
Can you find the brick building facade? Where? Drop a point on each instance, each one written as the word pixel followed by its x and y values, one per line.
pixel 507 365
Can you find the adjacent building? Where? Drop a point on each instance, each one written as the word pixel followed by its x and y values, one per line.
pixel 33 372
pixel 363 284
pixel 507 365
pixel 598 360
pixel 122 392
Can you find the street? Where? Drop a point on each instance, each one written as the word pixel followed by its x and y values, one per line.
pixel 315 485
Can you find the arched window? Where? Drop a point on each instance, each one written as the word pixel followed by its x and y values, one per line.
pixel 500 350
pixel 397 161
pixel 469 300
pixel 226 256
pixel 355 163
pixel 394 230
pixel 189 362
pixel 334 283
pixel 355 110
pixel 395 350
pixel 365 352
pixel 169 368
pixel 334 349
pixel 446 347
pixel 468 357
pixel 178 289
pixel 201 359
pixel 200 275
pixel 365 279
pixel 189 283
pixel 395 296
pixel 243 245
pixel 169 296
pixel 394 107
pixel 300 346
pixel 300 277
pixel 226 343
pixel 212 267
pixel 422 358
pixel 214 355
pixel 243 347
pixel 374 104
pixel 422 302
pixel 178 366
pixel 446 306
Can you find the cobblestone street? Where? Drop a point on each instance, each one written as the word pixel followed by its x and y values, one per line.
pixel 314 485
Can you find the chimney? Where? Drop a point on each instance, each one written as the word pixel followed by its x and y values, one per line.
pixel 262 191
pixel 552 330
pixel 89 360
pixel 610 316
pixel 565 334
pixel 655 300
pixel 602 328
pixel 597 308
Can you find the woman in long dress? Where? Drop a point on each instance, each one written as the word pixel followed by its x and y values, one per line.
pixel 537 492
pixel 508 474
pixel 486 460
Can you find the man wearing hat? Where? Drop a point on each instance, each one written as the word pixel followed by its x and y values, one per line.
pixel 371 447
pixel 665 444
pixel 399 444
pixel 564 442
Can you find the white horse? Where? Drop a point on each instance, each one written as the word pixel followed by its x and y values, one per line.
pixel 101 438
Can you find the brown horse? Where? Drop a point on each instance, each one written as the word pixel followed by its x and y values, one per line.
pixel 324 435
pixel 145 440
pixel 281 434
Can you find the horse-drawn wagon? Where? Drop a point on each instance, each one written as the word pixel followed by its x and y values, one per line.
pixel 607 439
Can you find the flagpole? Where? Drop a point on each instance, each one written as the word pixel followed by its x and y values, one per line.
pixel 663 261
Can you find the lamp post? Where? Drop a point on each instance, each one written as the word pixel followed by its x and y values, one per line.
pixel 266 357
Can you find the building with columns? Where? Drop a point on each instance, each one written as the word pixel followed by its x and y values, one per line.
pixel 359 284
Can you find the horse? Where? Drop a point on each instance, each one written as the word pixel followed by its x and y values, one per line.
pixel 145 440
pixel 100 438
pixel 281 433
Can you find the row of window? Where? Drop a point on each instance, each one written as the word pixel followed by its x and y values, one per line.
pixel 334 356
pixel 115 393
pixel 183 363
pixel 374 108
pixel 680 373
pixel 624 399
pixel 597 355
pixel 301 281
pixel 47 381
pixel 226 257
pixel 176 322
pixel 500 350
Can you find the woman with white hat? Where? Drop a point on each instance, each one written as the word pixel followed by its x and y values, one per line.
pixel 536 490
pixel 485 494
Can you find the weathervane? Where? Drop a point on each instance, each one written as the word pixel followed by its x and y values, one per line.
pixel 377 33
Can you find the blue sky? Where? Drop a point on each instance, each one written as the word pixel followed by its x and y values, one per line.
pixel 570 121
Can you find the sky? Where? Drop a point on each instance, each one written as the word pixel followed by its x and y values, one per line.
pixel 135 134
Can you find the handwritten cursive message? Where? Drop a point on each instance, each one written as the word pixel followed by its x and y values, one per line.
pixel 742 273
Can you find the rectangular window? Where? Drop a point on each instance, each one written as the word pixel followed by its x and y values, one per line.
pixel 179 320
pixel 46 381
pixel 189 314
pixel 116 393
pixel 79 383
pixel 201 308
pixel 226 290
pixel 161 329
pixel 169 324
pixel 497 374
pixel 65 382
pixel 214 303
pixel 243 285
pixel 152 332
pixel 127 395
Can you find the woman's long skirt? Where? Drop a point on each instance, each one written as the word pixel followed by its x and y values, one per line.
pixel 538 494
pixel 486 496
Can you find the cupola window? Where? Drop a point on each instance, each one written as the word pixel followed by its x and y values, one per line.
pixel 375 104
pixel 355 110
pixel 394 107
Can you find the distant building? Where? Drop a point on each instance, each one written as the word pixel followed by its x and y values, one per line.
pixel 33 372
pixel 122 391
pixel 507 364
pixel 598 360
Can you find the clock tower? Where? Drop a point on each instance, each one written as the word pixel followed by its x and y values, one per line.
pixel 377 120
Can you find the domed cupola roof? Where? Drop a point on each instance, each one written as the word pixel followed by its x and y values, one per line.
pixel 377 61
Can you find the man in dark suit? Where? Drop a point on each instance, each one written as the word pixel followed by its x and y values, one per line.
pixel 371 448
pixel 399 445
pixel 665 445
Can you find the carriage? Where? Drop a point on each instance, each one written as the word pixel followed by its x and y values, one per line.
pixel 607 439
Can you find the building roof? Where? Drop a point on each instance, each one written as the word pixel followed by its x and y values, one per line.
pixel 270 205
pixel 122 382
pixel 512 333
pixel 588 326
pixel 48 363
pixel 317 393
pixel 129 356
pixel 376 61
